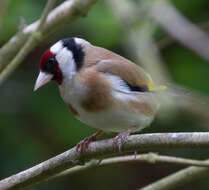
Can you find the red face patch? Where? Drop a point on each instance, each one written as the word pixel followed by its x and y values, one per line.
pixel 45 57
pixel 50 65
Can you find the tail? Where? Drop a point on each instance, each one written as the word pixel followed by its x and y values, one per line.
pixel 183 97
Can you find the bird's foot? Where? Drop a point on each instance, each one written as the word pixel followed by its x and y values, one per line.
pixel 83 145
pixel 121 137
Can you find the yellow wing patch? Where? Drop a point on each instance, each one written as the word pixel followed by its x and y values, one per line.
pixel 153 87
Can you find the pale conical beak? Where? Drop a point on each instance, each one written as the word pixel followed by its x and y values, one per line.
pixel 42 79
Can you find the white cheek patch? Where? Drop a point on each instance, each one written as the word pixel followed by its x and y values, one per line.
pixel 66 63
pixel 56 47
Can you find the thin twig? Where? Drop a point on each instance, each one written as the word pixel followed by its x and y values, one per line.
pixel 102 149
pixel 50 4
pixel 178 179
pixel 29 45
pixel 165 40
pixel 68 11
pixel 180 28
pixel 150 158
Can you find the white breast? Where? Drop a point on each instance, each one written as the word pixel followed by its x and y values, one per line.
pixel 115 119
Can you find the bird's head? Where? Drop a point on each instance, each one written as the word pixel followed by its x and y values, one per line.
pixel 61 61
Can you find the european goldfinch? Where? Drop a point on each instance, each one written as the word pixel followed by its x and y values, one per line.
pixel 102 89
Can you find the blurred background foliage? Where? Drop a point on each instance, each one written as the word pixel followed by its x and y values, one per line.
pixel 37 126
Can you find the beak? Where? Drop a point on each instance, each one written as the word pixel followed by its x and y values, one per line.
pixel 42 79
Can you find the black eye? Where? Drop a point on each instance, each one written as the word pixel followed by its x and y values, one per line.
pixel 49 67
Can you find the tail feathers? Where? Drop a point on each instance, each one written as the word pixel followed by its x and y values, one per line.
pixel 182 95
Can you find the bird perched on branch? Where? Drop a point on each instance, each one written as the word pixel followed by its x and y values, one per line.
pixel 101 88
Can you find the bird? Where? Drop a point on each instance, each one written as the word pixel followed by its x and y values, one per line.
pixel 101 88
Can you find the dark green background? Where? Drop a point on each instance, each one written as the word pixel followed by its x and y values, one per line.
pixel 37 126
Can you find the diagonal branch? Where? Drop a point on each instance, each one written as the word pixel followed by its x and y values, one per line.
pixel 178 179
pixel 29 45
pixel 102 149
pixel 68 11
pixel 149 157
pixel 180 28
pixel 165 41
pixel 47 9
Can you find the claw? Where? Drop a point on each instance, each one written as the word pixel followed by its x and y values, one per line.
pixel 83 145
pixel 121 137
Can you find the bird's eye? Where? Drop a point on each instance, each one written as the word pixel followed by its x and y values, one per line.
pixel 49 67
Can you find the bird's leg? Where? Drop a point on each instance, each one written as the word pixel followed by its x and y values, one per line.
pixel 121 137
pixel 83 145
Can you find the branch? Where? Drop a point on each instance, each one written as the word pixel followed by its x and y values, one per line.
pixel 165 40
pixel 47 9
pixel 177 179
pixel 29 45
pixel 150 158
pixel 180 28
pixel 102 149
pixel 66 12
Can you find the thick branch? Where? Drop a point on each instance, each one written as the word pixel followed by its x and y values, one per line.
pixel 67 11
pixel 102 149
pixel 177 179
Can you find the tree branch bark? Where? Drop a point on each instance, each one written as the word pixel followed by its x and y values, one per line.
pixel 179 178
pixel 180 28
pixel 68 11
pixel 149 157
pixel 165 40
pixel 29 45
pixel 102 149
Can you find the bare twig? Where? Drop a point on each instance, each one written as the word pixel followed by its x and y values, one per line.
pixel 68 11
pixel 150 158
pixel 165 40
pixel 179 178
pixel 102 149
pixel 180 28
pixel 29 45
pixel 47 9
